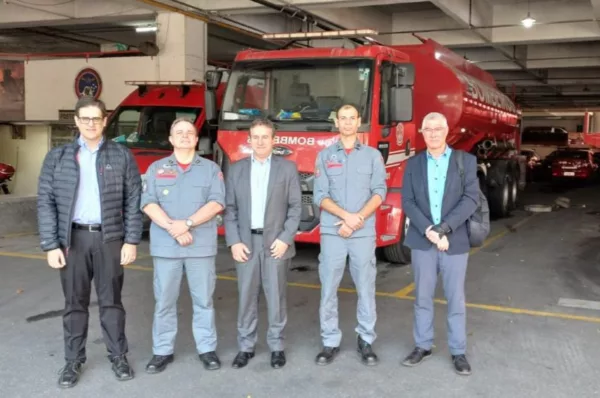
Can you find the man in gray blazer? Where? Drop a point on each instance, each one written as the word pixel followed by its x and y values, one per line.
pixel 438 204
pixel 262 215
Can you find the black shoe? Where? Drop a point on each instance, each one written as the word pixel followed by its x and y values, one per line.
pixel 461 365
pixel 326 356
pixel 121 368
pixel 277 359
pixel 210 360
pixel 158 363
pixel 417 356
pixel 69 374
pixel 365 350
pixel 241 359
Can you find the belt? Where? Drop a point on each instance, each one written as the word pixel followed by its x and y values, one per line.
pixel 88 227
pixel 256 231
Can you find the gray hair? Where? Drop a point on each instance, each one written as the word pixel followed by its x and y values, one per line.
pixel 182 119
pixel 432 116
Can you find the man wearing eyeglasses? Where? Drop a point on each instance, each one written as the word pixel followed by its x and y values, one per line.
pixel 90 225
pixel 438 204
pixel 182 195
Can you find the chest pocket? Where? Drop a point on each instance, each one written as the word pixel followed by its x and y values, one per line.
pixel 335 176
pixel 200 187
pixel 363 177
pixel 165 190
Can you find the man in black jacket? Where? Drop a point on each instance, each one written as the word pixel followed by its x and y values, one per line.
pixel 90 225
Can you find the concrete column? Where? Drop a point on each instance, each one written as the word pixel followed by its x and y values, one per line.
pixel 182 42
pixel 595 123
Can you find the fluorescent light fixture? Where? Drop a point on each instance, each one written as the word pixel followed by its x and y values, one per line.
pixel 143 29
pixel 528 22
pixel 322 35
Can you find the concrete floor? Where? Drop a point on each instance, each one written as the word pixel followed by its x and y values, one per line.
pixel 522 343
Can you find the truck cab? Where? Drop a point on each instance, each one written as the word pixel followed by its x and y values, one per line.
pixel 143 119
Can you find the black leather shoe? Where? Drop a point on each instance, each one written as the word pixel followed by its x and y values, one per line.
pixel 417 356
pixel 327 356
pixel 365 350
pixel 210 360
pixel 158 363
pixel 461 365
pixel 277 359
pixel 241 359
pixel 69 374
pixel 121 368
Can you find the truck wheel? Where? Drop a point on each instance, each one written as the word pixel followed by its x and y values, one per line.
pixel 499 198
pixel 398 253
pixel 514 189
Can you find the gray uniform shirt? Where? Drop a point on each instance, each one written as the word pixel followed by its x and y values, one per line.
pixel 350 180
pixel 181 193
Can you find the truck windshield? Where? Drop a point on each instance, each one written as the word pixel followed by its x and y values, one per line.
pixel 299 95
pixel 146 126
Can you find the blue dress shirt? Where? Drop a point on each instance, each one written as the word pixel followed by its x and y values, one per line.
pixel 436 181
pixel 87 204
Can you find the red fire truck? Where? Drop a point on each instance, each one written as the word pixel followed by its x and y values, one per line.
pixel 394 87
pixel 143 119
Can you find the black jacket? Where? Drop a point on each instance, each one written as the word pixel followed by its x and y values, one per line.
pixel 120 190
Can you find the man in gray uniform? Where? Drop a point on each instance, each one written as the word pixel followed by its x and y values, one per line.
pixel 182 195
pixel 438 209
pixel 264 205
pixel 349 187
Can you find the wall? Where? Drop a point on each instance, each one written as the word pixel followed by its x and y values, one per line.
pixel 50 84
pixel 570 123
pixel 26 156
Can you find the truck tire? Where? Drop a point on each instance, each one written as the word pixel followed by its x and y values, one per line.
pixel 398 253
pixel 513 187
pixel 499 197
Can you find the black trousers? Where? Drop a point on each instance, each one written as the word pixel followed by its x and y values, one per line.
pixel 89 259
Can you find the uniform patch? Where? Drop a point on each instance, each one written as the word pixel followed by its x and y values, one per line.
pixel 162 173
pixel 221 175
pixel 333 164
pixel 317 172
pixel 144 186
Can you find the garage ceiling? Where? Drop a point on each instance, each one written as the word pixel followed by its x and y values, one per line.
pixel 540 67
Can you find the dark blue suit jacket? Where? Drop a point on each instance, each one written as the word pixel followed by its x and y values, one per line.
pixel 457 205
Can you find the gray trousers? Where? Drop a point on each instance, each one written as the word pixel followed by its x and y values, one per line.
pixel 201 276
pixel 426 265
pixel 263 269
pixel 363 269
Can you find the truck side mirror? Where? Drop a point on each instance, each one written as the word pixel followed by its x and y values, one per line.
pixel 401 104
pixel 213 79
pixel 210 105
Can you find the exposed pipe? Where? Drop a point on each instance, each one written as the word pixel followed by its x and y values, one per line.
pixel 86 54
pixel 303 15
pixel 205 19
pixel 400 32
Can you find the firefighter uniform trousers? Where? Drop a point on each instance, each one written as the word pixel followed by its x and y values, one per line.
pixel 350 180
pixel 181 193
pixel 201 278
pixel 362 264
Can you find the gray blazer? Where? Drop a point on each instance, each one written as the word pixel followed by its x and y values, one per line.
pixel 282 212
pixel 457 205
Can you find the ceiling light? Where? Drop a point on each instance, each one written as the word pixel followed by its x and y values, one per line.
pixel 528 22
pixel 143 29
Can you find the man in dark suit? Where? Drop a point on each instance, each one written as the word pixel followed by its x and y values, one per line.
pixel 262 215
pixel 438 205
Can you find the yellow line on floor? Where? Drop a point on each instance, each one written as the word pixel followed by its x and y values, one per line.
pixel 406 290
pixel 18 234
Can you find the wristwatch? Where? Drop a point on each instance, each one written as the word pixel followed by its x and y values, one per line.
pixel 189 223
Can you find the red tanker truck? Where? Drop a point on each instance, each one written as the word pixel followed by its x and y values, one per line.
pixel 394 87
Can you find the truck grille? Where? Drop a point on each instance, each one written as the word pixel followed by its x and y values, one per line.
pixel 307 199
pixel 305 176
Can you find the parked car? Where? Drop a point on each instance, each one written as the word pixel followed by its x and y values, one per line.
pixel 573 165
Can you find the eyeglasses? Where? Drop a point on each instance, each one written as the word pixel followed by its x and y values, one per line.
pixel 87 120
pixel 438 130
